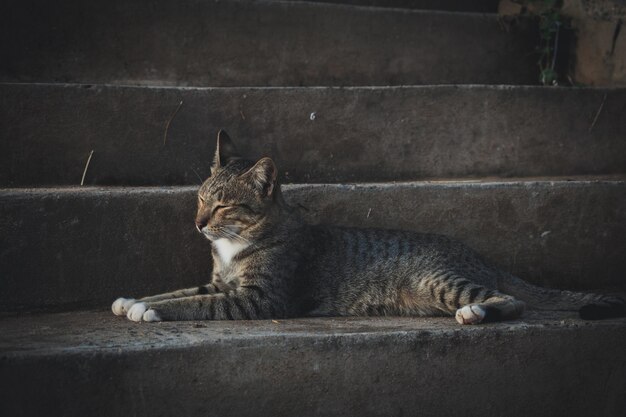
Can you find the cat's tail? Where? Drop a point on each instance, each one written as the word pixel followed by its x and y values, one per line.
pixel 590 306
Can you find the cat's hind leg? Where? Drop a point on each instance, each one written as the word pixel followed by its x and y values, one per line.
pixel 469 301
pixel 496 307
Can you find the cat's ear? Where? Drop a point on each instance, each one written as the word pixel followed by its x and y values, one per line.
pixel 224 151
pixel 263 176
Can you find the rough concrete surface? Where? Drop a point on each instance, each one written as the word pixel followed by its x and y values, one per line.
pixel 261 43
pixel 92 363
pixel 355 134
pixel 86 246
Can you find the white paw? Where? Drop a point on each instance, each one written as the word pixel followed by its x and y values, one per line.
pixel 121 306
pixel 471 314
pixel 151 315
pixel 136 311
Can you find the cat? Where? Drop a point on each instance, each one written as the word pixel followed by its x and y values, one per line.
pixel 269 264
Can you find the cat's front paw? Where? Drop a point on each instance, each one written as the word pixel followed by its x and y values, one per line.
pixel 121 306
pixel 151 315
pixel 142 312
pixel 136 311
pixel 470 314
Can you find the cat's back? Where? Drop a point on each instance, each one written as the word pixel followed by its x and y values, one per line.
pixel 367 251
pixel 380 244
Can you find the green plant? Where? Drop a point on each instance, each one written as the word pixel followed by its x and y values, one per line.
pixel 550 24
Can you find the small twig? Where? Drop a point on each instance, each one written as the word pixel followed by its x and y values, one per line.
pixel 167 126
pixel 368 213
pixel 197 175
pixel 556 44
pixel 82 181
pixel 618 27
pixel 595 119
pixel 243 116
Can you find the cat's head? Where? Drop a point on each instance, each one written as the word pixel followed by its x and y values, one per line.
pixel 238 194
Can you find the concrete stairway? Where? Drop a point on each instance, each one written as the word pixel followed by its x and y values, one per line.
pixel 348 99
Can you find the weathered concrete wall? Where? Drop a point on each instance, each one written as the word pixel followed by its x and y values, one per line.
pixel 243 43
pixel 358 134
pixel 87 246
pixel 600 54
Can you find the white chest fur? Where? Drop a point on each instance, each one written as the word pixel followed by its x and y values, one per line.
pixel 227 249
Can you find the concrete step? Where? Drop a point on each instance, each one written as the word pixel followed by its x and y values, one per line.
pixel 261 43
pixel 477 6
pixel 95 364
pixel 144 136
pixel 70 247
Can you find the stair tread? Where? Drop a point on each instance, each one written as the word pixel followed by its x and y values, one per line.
pixel 85 332
pixel 468 182
pixel 93 363
pixel 481 6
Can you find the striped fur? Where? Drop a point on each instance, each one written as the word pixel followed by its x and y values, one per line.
pixel 268 263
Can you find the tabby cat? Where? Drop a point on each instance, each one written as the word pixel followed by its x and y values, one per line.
pixel 268 263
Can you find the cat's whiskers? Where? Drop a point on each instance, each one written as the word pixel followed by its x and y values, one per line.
pixel 230 234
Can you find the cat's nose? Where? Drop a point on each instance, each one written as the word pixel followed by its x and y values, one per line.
pixel 200 224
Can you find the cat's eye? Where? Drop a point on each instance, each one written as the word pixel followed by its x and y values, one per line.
pixel 233 207
pixel 216 208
